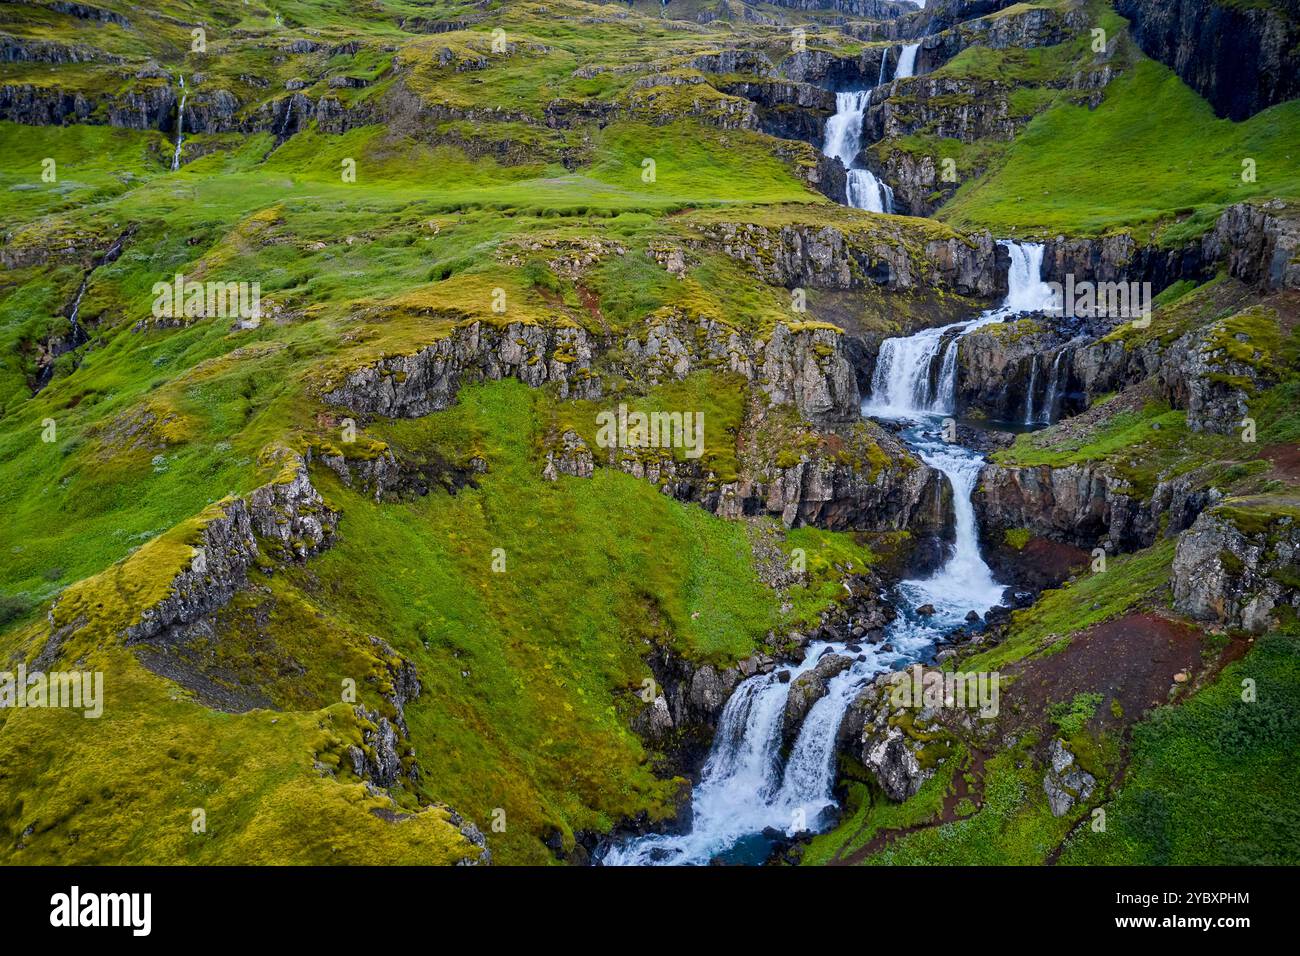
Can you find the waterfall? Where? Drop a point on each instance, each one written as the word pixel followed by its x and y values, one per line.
pixel 745 789
pixel 906 61
pixel 1053 390
pixel 904 380
pixel 843 136
pixel 180 128
pixel 1029 393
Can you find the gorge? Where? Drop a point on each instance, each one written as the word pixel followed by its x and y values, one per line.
pixel 748 791
pixel 371 577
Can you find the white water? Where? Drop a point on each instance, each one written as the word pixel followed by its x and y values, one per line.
pixel 180 128
pixel 906 61
pixel 843 136
pixel 918 373
pixel 1053 388
pixel 744 787
pixel 1029 393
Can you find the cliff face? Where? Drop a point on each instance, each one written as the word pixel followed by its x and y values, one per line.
pixel 1256 242
pixel 1236 567
pixel 1086 505
pixel 943 106
pixel 828 257
pixel 1241 59
pixel 806 368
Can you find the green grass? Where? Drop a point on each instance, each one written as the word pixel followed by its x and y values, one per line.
pixel 1014 826
pixel 1183 803
pixel 1095 597
pixel 868 813
pixel 529 675
pixel 1152 152
pixel 123 787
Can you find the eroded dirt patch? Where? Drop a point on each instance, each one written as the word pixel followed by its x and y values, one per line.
pixel 1133 659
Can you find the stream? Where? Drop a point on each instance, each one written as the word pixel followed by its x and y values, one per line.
pixel 745 788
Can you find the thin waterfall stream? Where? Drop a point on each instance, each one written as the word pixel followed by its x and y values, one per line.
pixel 745 788
pixel 180 128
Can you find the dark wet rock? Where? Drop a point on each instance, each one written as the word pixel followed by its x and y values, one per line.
pixel 949 107
pixel 1241 58
pixel 1256 241
pixel 387 475
pixel 808 688
pixel 1086 505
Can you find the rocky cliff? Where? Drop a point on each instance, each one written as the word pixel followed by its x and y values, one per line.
pixel 1241 57
pixel 894 256
pixel 1237 565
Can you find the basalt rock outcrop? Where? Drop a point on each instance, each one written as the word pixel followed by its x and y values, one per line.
pixel 1236 566
pixel 385 475
pixel 1216 372
pixel 820 68
pixel 1026 29
pixel 872 734
pixel 1065 782
pixel 949 107
pixel 1012 374
pixel 427 380
pixel 284 520
pixel 893 257
pixel 680 719
pixel 1087 505
pixel 805 367
pixel 808 688
pixel 785 108
pixel 944 14
pixel 827 490
pixel 879 487
pixel 1256 242
pixel 1242 58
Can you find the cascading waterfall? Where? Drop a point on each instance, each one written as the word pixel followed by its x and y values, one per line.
pixel 842 139
pixel 843 134
pixel 745 788
pixel 907 61
pixel 180 128
pixel 918 373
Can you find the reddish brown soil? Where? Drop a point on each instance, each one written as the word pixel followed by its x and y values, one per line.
pixel 1286 461
pixel 1041 563
pixel 1132 659
pixel 591 302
